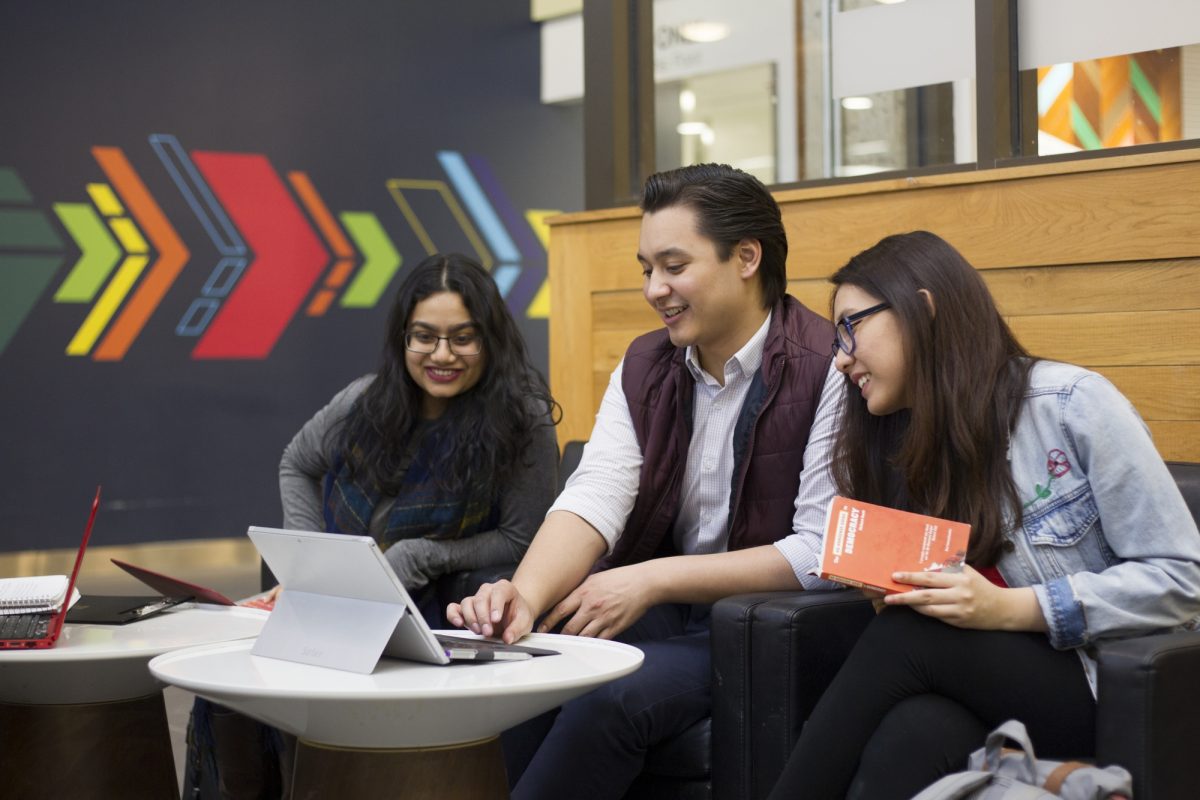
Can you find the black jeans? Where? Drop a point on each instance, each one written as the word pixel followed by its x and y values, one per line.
pixel 916 696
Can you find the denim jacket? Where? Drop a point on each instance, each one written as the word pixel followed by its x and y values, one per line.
pixel 1106 540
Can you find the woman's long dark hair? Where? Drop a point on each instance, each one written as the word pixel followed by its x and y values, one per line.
pixel 485 429
pixel 966 376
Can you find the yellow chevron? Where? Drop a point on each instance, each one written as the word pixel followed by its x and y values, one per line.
pixel 110 300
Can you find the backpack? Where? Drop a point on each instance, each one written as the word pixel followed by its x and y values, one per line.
pixel 997 773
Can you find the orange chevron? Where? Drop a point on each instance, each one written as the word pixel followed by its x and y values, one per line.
pixel 1120 132
pixel 172 254
pixel 341 270
pixel 320 303
pixel 1115 97
pixel 1057 120
pixel 320 214
pixel 1170 89
pixel 333 234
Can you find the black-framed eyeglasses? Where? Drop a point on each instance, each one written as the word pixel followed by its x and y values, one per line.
pixel 460 344
pixel 844 328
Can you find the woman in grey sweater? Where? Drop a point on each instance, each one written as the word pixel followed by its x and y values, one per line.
pixel 447 455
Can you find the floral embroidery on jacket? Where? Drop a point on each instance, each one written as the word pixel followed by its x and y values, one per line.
pixel 1057 465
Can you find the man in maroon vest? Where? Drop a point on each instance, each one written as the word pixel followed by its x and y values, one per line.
pixel 706 475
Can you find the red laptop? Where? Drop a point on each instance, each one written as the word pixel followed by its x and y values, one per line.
pixel 37 631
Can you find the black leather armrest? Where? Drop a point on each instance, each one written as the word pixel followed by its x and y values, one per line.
pixel 1148 712
pixel 773 655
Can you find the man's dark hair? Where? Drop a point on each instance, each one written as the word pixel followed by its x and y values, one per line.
pixel 730 206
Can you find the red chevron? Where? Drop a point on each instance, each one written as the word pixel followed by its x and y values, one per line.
pixel 289 258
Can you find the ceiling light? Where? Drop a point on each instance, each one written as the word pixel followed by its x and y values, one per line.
pixel 854 170
pixel 704 31
pixel 687 101
pixel 857 103
pixel 889 2
pixel 873 147
pixel 692 128
pixel 708 136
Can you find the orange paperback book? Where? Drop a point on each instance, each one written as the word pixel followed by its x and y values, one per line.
pixel 865 543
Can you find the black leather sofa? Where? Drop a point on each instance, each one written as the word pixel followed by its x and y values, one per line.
pixel 774 653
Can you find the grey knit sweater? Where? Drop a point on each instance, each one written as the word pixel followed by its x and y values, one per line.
pixel 523 504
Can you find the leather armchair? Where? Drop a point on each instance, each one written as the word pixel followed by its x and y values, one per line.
pixel 773 655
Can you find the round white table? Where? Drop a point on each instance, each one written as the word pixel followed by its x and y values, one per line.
pixel 86 718
pixel 431 729
pixel 102 663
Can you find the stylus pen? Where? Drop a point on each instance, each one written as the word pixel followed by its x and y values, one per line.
pixel 487 655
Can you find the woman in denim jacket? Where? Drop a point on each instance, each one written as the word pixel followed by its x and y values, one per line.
pixel 1078 531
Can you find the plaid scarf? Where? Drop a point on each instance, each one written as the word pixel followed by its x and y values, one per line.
pixel 422 507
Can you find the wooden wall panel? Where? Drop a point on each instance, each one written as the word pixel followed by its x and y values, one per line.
pixel 1134 286
pixel 1097 263
pixel 1176 441
pixel 1116 339
pixel 570 330
pixel 618 310
pixel 612 255
pixel 813 292
pixel 1120 214
pixel 1161 393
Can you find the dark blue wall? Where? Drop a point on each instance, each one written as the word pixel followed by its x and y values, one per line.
pixel 353 94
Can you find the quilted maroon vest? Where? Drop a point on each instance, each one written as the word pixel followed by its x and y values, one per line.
pixel 769 437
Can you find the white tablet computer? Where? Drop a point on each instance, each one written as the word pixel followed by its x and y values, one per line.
pixel 342 606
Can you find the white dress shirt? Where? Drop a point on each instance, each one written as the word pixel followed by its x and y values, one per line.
pixel 604 486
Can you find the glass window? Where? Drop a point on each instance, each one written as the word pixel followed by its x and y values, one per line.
pixel 725 78
pixel 727 117
pixel 793 90
pixel 902 85
pixel 906 128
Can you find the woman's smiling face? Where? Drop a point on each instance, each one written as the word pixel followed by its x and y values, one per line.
pixel 442 374
pixel 877 368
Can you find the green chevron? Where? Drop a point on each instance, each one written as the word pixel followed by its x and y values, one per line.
pixel 380 264
pixel 12 189
pixel 22 229
pixel 1083 129
pixel 1145 90
pixel 23 279
pixel 99 253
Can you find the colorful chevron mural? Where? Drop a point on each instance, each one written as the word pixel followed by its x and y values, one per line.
pixel 274 248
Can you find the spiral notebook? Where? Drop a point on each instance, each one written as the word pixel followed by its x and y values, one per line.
pixel 32 595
